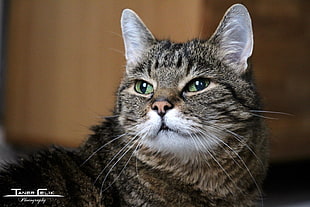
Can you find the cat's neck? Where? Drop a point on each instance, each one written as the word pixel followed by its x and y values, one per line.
pixel 197 172
pixel 209 175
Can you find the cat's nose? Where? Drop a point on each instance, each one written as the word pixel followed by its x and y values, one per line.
pixel 162 106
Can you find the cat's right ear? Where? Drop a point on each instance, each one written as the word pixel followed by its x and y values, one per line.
pixel 137 37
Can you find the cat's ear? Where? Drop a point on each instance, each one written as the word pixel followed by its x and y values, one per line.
pixel 137 37
pixel 234 38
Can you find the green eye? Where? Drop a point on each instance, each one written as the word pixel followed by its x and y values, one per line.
pixel 197 85
pixel 143 87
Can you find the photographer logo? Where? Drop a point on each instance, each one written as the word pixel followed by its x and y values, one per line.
pixel 38 196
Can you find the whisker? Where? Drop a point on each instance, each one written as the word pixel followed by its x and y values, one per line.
pixel 108 173
pixel 218 163
pixel 212 136
pixel 244 164
pixel 271 112
pixel 265 117
pixel 123 150
pixel 239 139
pixel 116 34
pixel 268 112
pixel 116 50
pixel 122 168
pixel 114 157
pixel 101 147
pixel 200 153
pixel 137 171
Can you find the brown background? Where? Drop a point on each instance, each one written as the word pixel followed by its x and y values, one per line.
pixel 65 60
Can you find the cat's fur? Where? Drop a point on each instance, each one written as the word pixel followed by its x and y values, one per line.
pixel 211 151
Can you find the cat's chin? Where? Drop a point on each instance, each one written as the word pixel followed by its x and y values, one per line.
pixel 172 142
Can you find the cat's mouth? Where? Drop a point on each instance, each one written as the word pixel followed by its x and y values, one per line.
pixel 164 128
pixel 172 124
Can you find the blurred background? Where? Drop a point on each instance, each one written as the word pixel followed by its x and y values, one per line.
pixel 61 63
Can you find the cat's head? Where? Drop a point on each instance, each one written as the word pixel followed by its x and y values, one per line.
pixel 182 98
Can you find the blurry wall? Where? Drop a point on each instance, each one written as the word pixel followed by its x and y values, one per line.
pixel 2 46
pixel 65 60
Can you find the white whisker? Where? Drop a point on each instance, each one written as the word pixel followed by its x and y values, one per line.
pixel 265 117
pixel 271 112
pixel 138 145
pixel 116 34
pixel 241 140
pixel 244 164
pixel 101 147
pixel 254 113
pixel 213 136
pixel 114 157
pixel 200 153
pixel 215 160
pixel 238 137
pixel 116 50
pixel 110 170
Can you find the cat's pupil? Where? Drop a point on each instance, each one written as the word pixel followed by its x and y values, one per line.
pixel 199 85
pixel 143 87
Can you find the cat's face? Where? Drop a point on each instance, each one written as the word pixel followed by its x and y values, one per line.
pixel 186 98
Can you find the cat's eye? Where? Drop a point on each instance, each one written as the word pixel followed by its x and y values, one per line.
pixel 143 87
pixel 197 84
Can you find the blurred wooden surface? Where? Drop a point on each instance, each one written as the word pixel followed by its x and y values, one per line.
pixel 65 60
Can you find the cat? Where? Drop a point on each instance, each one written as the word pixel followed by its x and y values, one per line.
pixel 184 132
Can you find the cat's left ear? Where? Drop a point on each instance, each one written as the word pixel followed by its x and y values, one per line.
pixel 137 37
pixel 234 38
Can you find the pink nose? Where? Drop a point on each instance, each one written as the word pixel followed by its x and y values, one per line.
pixel 161 107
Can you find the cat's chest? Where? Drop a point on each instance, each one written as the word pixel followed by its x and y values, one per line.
pixel 144 186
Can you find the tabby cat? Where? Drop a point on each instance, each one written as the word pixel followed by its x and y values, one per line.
pixel 185 131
